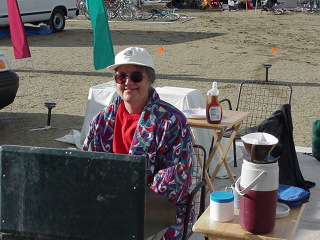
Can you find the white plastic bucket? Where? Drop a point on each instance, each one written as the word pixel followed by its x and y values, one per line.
pixel 221 206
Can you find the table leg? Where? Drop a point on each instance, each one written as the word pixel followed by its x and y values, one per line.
pixel 217 138
pixel 223 152
pixel 209 185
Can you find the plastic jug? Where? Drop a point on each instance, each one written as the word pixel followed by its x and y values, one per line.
pixel 258 189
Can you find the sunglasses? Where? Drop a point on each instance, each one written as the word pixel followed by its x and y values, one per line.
pixel 135 76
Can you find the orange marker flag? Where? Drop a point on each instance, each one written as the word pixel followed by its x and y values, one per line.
pixel 160 50
pixel 273 50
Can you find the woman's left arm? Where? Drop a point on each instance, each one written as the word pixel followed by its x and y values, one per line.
pixel 174 178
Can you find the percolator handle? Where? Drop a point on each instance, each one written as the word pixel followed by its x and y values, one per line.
pixel 251 185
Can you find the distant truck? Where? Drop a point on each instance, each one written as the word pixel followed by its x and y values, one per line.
pixel 50 12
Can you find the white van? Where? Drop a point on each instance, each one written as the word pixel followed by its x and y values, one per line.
pixel 51 12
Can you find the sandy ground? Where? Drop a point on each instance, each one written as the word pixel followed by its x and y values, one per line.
pixel 226 47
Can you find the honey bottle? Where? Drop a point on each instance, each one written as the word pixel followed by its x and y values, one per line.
pixel 213 107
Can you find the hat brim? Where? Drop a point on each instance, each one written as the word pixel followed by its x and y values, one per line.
pixel 114 66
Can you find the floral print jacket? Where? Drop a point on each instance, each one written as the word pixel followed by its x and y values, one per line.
pixel 164 137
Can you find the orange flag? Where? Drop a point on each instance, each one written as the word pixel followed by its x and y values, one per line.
pixel 273 50
pixel 160 50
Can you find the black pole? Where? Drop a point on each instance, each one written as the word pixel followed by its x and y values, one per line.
pixel 267 66
pixel 49 117
pixel 49 105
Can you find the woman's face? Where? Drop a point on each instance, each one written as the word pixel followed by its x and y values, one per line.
pixel 132 92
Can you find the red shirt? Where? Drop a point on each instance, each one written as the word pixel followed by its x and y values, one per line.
pixel 124 129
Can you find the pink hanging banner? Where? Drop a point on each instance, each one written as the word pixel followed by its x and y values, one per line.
pixel 17 32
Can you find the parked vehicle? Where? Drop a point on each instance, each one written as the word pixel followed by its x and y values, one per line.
pixel 9 82
pixel 50 12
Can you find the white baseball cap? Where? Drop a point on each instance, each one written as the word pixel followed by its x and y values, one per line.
pixel 132 55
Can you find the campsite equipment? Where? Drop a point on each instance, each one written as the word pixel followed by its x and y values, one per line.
pixel 280 125
pixel 235 195
pixel 267 66
pixel 81 197
pixel 282 211
pixel 292 196
pixel 166 14
pixel 258 184
pixel 213 107
pixel 233 5
pixel 49 105
pixel 224 7
pixel 221 206
pixel 258 189
pixel 316 139
pixel 258 145
pixel 261 99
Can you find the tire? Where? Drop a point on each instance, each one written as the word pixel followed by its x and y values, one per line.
pixel 145 16
pixel 85 12
pixel 171 17
pixel 142 15
pixel 135 11
pixel 303 3
pixel 111 10
pixel 126 14
pixel 57 20
pixel 278 10
pixel 111 13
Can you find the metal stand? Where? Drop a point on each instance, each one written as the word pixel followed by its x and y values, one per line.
pixel 267 66
pixel 49 105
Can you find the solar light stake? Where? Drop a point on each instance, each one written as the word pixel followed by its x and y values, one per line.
pixel 267 66
pixel 49 105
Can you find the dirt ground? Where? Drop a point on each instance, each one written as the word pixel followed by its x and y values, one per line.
pixel 201 47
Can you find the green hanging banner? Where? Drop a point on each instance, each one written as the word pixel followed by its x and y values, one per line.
pixel 103 53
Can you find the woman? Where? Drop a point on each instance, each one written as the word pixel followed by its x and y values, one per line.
pixel 138 122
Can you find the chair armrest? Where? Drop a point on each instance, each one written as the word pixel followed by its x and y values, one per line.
pixel 228 101
pixel 196 190
pixel 200 185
